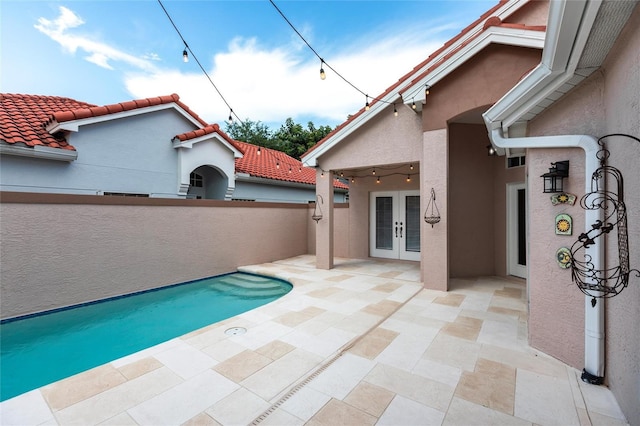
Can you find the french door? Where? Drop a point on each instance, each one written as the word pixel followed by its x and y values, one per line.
pixel 395 225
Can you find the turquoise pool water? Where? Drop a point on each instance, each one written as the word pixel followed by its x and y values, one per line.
pixel 42 349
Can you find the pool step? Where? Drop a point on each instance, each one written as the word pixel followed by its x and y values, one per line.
pixel 256 288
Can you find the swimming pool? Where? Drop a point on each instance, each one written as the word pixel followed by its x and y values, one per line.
pixel 41 349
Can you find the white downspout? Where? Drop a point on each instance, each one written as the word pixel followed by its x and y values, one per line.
pixel 594 316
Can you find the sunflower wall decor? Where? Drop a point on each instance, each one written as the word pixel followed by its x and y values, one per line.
pixel 564 224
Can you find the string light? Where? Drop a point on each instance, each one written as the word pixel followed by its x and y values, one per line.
pixel 426 89
pixel 278 165
pixel 318 55
pixel 322 174
pixel 395 111
pixel 258 152
pixel 185 57
pixel 411 166
pixel 408 178
pixel 413 105
pixel 374 172
pixel 366 105
pixel 230 116
pixel 378 180
pixel 353 179
pixel 322 73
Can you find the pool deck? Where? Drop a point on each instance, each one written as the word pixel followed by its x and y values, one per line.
pixel 360 344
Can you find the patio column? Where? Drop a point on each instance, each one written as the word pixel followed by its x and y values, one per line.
pixel 434 172
pixel 324 227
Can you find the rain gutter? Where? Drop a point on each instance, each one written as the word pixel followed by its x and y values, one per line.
pixel 568 28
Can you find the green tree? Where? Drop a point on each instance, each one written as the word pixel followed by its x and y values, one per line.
pixel 292 138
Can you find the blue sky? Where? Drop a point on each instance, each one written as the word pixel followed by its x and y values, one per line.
pixel 105 52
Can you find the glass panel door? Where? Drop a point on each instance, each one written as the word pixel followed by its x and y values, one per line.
pixel 395 225
pixel 412 221
pixel 384 223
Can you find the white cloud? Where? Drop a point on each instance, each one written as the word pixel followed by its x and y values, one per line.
pixel 271 85
pixel 98 53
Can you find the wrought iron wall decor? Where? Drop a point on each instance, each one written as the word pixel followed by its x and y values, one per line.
pixel 606 282
pixel 433 216
pixel 317 211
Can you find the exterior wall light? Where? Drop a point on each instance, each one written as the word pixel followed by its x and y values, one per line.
pixel 554 179
pixel 491 151
pixel 317 211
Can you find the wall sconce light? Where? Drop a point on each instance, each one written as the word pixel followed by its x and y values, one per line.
pixel 491 151
pixel 432 214
pixel 554 179
pixel 317 211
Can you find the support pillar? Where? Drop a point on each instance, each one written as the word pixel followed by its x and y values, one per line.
pixel 324 227
pixel 434 173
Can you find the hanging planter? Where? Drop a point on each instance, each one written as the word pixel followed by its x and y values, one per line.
pixel 432 214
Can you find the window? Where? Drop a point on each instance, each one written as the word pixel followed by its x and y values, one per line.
pixel 124 194
pixel 196 180
pixel 515 161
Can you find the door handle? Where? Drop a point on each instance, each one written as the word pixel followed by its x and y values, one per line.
pixel 396 229
pixel 400 229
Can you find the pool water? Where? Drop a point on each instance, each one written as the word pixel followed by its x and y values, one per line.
pixel 38 350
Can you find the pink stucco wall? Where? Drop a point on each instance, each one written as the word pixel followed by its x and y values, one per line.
pixel 57 255
pixel 607 102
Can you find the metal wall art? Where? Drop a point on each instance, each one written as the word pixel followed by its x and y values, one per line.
pixel 606 282
pixel 432 214
pixel 564 224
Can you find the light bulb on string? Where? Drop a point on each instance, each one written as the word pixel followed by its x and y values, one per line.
pixel 322 73
pixel 378 180
pixel 374 172
pixel 408 178
pixel 395 111
pixel 259 152
pixel 366 105
pixel 289 169
pixel 185 55
pixel 426 89
pixel 413 105
pixel 231 116
pixel 353 179
pixel 322 174
pixel 278 165
pixel 411 166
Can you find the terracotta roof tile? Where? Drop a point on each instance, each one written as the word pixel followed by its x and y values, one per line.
pixel 490 21
pixel 22 118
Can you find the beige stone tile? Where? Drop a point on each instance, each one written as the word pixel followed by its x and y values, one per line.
pixel 239 408
pixel 281 417
pixel 418 388
pixel 369 398
pixel 404 411
pixel 451 299
pixel 464 413
pixel 324 292
pixel 382 308
pixel 122 419
pixel 275 350
pixel 223 350
pixel 293 319
pixel 140 367
pixel 388 287
pixel 529 360
pixel 339 278
pixel 390 274
pixel 305 403
pixel 281 373
pixel 453 351
pixel 373 343
pixel 338 413
pixel 544 400
pixel 464 327
pixel 491 385
pixel 243 365
pixel 114 401
pixel 202 419
pixel 507 311
pixel 514 293
pixel 76 388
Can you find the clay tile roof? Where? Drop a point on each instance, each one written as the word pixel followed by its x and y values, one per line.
pixel 490 21
pixel 265 165
pixel 22 118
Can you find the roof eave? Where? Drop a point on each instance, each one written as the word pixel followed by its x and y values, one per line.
pixel 74 125
pixel 188 144
pixel 39 151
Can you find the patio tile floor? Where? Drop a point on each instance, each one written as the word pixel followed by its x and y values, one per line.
pixel 360 344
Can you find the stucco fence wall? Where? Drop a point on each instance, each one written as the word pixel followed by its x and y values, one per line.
pixel 60 250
